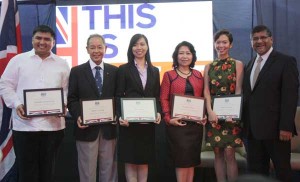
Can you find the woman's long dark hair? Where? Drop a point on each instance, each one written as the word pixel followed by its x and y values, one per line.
pixel 133 41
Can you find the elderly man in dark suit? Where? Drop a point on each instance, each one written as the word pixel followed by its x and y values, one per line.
pixel 270 100
pixel 97 140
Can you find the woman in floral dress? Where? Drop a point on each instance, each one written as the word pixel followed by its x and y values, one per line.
pixel 223 77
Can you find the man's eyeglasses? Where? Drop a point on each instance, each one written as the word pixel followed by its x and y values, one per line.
pixel 263 38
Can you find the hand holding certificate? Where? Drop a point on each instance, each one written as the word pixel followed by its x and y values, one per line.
pixel 97 111
pixel 139 109
pixel 43 102
pixel 228 106
pixel 189 108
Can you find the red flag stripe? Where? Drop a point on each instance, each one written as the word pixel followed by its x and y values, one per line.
pixel 10 45
pixel 7 148
pixel 18 33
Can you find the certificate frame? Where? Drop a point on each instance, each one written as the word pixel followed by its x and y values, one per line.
pixel 186 107
pixel 137 110
pixel 43 102
pixel 97 111
pixel 227 106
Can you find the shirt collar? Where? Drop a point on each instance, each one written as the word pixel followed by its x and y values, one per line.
pixel 32 54
pixel 265 56
pixel 93 65
pixel 146 65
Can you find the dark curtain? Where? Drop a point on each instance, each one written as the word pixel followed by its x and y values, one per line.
pixel 236 16
pixel 32 15
pixel 282 17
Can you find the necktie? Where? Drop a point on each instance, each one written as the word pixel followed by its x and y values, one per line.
pixel 98 79
pixel 256 71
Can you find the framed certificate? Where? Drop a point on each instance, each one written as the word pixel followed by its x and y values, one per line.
pixel 43 102
pixel 97 111
pixel 139 109
pixel 228 106
pixel 189 108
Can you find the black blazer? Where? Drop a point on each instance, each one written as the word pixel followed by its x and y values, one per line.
pixel 271 105
pixel 129 84
pixel 82 85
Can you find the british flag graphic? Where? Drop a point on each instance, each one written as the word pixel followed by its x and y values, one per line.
pixel 67 34
pixel 10 45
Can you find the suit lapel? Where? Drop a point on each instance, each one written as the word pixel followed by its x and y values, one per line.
pixel 150 78
pixel 248 74
pixel 90 77
pixel 106 79
pixel 135 74
pixel 265 68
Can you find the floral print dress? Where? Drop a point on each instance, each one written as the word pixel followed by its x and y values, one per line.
pixel 222 81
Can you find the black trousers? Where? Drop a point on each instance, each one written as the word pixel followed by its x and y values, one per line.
pixel 35 154
pixel 260 152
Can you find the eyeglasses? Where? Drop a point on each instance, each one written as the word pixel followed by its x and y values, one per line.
pixel 263 38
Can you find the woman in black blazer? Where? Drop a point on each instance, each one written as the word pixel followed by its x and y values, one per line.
pixel 137 79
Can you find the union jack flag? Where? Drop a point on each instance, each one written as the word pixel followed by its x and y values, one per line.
pixel 10 45
pixel 67 34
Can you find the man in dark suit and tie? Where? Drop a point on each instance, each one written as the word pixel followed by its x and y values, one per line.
pixel 93 80
pixel 270 102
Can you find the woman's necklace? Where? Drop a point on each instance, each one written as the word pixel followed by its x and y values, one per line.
pixel 223 59
pixel 183 72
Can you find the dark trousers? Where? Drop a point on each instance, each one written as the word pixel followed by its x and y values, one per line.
pixel 35 154
pixel 260 152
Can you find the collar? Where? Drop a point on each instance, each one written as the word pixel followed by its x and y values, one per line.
pixel 32 54
pixel 265 56
pixel 93 65
pixel 146 65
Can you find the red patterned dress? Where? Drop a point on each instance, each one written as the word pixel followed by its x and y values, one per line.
pixel 222 81
pixel 184 143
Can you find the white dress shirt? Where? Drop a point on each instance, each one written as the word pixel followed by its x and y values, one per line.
pixel 29 71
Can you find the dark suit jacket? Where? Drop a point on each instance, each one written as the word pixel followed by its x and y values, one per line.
pixel 130 84
pixel 82 85
pixel 271 105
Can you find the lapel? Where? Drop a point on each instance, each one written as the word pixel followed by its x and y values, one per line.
pixel 265 68
pixel 90 77
pixel 150 78
pixel 135 74
pixel 248 74
pixel 106 78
